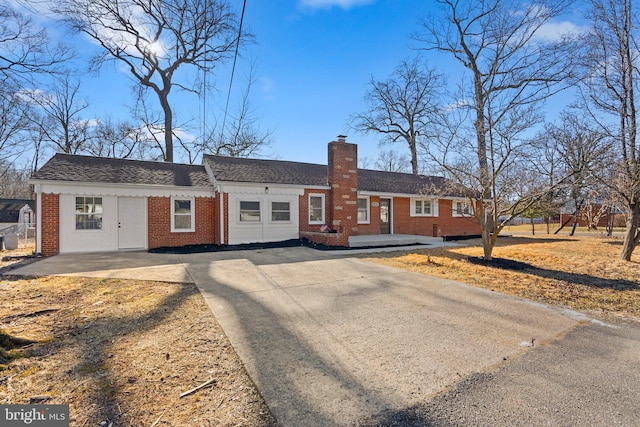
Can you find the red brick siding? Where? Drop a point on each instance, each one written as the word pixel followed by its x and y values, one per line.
pixel 303 210
pixel 50 224
pixel 159 223
pixel 312 231
pixel 374 219
pixel 446 224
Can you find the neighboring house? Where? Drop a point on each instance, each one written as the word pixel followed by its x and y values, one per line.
pixel 101 204
pixel 10 210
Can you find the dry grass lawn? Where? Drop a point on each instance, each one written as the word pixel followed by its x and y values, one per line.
pixel 582 273
pixel 121 352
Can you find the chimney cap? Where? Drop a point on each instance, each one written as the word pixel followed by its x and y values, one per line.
pixel 342 138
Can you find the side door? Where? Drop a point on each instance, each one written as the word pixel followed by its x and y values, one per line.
pixel 132 223
pixel 385 216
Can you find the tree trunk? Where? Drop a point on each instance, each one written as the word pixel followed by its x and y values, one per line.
pixel 575 224
pixel 533 227
pixel 610 219
pixel 631 236
pixel 168 126
pixel 414 154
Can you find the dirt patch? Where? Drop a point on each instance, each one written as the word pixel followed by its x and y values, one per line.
pixel 582 273
pixel 123 352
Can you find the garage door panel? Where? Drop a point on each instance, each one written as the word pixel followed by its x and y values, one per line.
pixel 266 229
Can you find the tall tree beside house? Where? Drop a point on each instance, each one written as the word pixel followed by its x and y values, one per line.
pixel 509 70
pixel 403 108
pixel 610 90
pixel 155 39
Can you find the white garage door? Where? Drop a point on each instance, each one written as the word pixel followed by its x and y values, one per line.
pixel 262 218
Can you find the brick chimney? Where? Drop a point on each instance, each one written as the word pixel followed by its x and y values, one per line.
pixel 343 179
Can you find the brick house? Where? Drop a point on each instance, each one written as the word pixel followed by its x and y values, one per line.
pixel 86 204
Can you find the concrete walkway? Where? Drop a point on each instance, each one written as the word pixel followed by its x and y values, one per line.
pixel 329 339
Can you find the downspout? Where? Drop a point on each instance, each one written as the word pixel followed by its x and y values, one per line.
pixel 38 190
pixel 221 214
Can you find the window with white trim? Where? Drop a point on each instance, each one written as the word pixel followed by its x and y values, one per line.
pixel 249 211
pixel 424 207
pixel 280 211
pixel 462 208
pixel 316 208
pixel 182 214
pixel 88 213
pixel 363 210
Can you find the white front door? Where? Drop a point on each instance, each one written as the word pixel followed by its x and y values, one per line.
pixel 132 223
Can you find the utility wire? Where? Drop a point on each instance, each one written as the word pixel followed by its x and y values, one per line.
pixel 233 69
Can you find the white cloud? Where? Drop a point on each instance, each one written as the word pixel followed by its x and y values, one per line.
pixel 553 31
pixel 326 4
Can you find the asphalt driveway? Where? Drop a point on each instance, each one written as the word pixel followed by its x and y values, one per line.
pixel 329 339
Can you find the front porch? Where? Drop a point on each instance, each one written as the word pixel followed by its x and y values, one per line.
pixel 378 240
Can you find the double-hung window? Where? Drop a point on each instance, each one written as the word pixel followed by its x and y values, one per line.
pixel 182 214
pixel 88 213
pixel 280 211
pixel 249 211
pixel 462 208
pixel 363 210
pixel 424 207
pixel 316 209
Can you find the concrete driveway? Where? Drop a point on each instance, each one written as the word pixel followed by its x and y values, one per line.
pixel 329 339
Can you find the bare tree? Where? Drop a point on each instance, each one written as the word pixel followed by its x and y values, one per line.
pixel 25 50
pixel 62 124
pixel 156 38
pixel 610 88
pixel 13 182
pixel 14 113
pixel 403 107
pixel 121 140
pixel 510 69
pixel 240 134
pixel 581 154
pixel 391 161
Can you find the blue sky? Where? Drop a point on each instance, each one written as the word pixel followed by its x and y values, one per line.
pixel 312 64
pixel 313 60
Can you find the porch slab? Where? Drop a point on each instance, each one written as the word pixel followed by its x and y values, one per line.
pixel 392 240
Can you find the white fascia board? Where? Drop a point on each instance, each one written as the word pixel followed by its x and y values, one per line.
pixel 402 195
pixel 234 187
pixel 411 196
pixel 124 190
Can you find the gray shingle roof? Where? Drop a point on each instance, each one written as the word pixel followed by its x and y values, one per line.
pixel 74 168
pixel 69 167
pixel 233 169
pixel 405 183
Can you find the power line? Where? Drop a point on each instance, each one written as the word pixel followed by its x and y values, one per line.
pixel 233 69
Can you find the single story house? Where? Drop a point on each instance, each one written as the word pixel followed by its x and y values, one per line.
pixel 86 204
